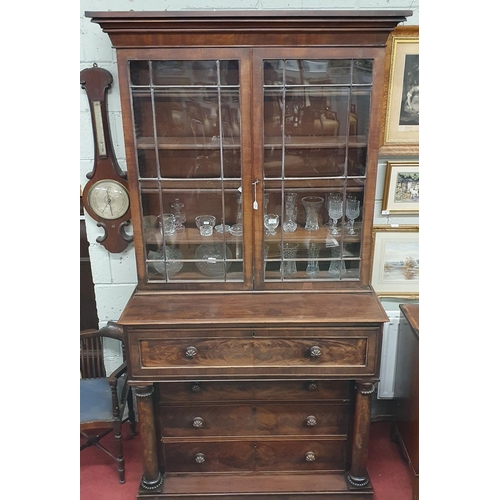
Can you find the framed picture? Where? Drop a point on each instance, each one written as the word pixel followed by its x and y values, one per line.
pixel 401 121
pixel 395 261
pixel 401 188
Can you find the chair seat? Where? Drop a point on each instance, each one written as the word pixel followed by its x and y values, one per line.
pixel 95 400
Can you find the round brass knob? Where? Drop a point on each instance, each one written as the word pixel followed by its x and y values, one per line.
pixel 199 458
pixel 196 388
pixel 315 351
pixel 312 386
pixel 311 420
pixel 197 422
pixel 310 456
pixel 191 352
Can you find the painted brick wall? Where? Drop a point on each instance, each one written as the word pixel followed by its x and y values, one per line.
pixel 114 275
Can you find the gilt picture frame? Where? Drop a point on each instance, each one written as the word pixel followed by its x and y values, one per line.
pixel 395 261
pixel 401 117
pixel 401 188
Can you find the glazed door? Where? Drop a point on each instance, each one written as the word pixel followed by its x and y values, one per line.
pixel 189 117
pixel 312 142
pixel 254 168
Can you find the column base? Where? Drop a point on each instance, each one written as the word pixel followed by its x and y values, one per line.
pixel 152 485
pixel 358 482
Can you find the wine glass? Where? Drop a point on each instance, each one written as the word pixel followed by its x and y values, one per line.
pixel 352 213
pixel 271 222
pixel 335 212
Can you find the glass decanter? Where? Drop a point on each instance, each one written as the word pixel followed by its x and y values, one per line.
pixel 266 202
pixel 312 204
pixel 237 229
pixel 289 225
pixel 180 218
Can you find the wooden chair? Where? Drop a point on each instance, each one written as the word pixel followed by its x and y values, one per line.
pixel 103 399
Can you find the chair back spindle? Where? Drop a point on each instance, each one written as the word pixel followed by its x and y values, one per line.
pixel 92 358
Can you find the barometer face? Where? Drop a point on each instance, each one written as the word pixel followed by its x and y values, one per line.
pixel 108 199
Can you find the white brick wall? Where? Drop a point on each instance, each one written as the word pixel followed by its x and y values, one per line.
pixel 115 274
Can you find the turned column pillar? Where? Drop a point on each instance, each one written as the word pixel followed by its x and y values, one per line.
pixel 151 478
pixel 358 475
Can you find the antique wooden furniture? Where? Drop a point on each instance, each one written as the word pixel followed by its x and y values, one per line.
pixel 253 349
pixel 105 196
pixel 103 399
pixel 406 427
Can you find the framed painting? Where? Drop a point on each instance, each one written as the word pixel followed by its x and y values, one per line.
pixel 401 120
pixel 401 188
pixel 396 261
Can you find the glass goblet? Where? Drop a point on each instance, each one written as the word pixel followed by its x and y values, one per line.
pixel 352 213
pixel 335 212
pixel 271 222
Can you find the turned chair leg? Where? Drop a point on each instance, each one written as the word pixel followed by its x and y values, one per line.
pixel 120 462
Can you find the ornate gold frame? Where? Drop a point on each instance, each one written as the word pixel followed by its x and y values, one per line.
pixel 390 185
pixel 404 40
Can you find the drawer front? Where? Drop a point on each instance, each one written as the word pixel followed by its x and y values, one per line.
pixel 254 420
pixel 268 456
pixel 327 352
pixel 295 390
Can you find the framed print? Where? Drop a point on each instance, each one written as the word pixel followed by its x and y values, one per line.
pixel 401 121
pixel 395 261
pixel 401 188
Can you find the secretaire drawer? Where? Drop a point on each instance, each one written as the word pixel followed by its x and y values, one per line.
pixel 272 455
pixel 319 419
pixel 285 390
pixel 253 352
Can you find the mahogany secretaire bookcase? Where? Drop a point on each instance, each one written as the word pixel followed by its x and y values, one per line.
pixel 253 337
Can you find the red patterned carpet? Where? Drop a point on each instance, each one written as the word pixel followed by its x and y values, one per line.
pixel 99 481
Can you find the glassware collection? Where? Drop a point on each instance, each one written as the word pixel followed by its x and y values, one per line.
pixel 211 258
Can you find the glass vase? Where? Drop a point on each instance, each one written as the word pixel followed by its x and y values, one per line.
pixel 289 251
pixel 312 268
pixel 312 204
pixel 289 225
pixel 337 266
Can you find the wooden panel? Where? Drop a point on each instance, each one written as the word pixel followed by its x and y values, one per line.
pixel 258 486
pixel 219 457
pixel 282 455
pixel 334 352
pixel 210 352
pixel 256 309
pixel 271 455
pixel 254 420
pixel 341 351
pixel 213 391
